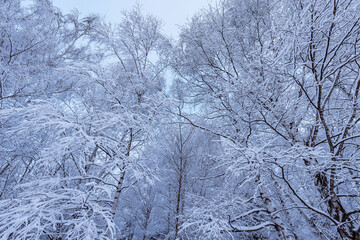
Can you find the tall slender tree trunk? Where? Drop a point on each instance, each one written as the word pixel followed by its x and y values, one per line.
pixel 178 199
pixel 278 223
pixel 121 177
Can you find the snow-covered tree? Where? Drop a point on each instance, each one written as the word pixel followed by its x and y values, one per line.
pixel 80 127
pixel 252 133
pixel 278 82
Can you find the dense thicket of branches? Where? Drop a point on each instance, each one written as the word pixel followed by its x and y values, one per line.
pixel 246 127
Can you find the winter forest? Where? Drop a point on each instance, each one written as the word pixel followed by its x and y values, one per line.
pixel 245 127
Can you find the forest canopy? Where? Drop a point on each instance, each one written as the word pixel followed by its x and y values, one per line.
pixel 245 127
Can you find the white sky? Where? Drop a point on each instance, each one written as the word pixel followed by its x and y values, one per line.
pixel 172 12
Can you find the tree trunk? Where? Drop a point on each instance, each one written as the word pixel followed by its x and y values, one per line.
pixel 279 225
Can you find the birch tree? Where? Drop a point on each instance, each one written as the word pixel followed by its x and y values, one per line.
pixel 255 71
pixel 80 143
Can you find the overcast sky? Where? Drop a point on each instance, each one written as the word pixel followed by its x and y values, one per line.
pixel 172 12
